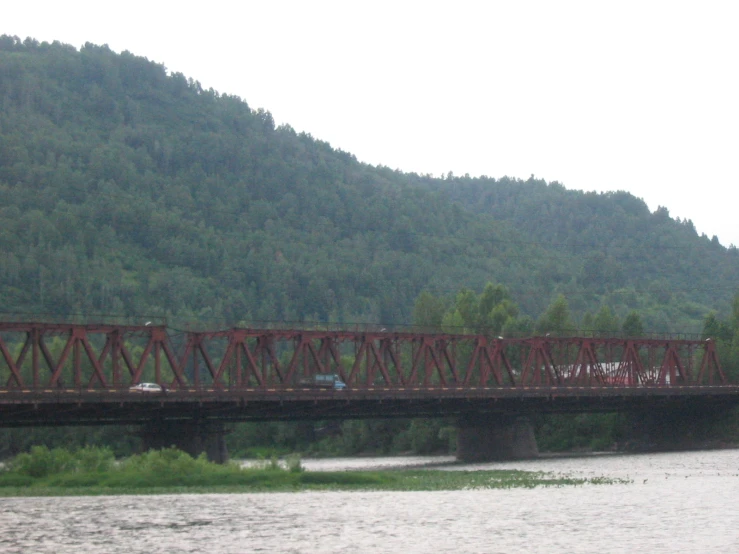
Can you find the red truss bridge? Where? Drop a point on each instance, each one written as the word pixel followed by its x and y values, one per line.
pixel 56 374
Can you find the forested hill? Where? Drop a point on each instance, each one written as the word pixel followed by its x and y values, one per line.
pixel 128 190
pixel 622 251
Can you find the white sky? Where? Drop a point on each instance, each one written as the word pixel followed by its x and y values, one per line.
pixel 638 96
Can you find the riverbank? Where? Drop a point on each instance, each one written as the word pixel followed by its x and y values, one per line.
pixel 94 472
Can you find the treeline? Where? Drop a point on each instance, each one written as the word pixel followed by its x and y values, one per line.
pixel 494 312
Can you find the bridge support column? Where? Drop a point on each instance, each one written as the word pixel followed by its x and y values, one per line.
pixel 488 438
pixel 192 438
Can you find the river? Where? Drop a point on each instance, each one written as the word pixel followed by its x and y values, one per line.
pixel 678 502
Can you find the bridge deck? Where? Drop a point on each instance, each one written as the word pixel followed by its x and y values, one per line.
pixel 97 407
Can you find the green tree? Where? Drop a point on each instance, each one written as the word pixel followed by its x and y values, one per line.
pixel 428 311
pixel 523 326
pixel 605 323
pixel 715 329
pixel 488 313
pixel 632 325
pixel 496 308
pixel 556 319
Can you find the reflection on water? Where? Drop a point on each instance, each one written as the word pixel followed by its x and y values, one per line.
pixel 684 502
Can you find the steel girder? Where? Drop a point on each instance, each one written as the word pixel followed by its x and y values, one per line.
pixel 35 356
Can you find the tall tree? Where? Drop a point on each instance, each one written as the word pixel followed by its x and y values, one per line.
pixel 428 311
pixel 632 325
pixel 496 308
pixel 605 322
pixel 556 319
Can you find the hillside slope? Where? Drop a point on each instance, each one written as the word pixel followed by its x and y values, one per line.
pixel 128 191
pixel 623 252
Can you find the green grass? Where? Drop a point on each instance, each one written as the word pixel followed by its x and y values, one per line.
pixel 94 472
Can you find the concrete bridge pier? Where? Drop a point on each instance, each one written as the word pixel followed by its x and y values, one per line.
pixel 495 437
pixel 193 438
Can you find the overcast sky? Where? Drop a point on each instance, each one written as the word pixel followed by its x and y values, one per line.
pixel 638 96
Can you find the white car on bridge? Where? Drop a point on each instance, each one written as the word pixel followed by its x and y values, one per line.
pixel 152 388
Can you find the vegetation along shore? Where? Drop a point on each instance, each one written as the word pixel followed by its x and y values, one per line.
pixel 95 471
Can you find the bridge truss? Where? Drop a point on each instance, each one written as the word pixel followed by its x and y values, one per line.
pixel 46 356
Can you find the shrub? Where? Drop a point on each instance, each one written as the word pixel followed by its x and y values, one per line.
pixel 8 479
pixel 94 459
pixel 41 461
pixel 75 480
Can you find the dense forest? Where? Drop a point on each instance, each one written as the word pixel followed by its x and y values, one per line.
pixel 127 191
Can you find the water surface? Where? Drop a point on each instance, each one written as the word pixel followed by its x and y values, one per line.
pixel 683 502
